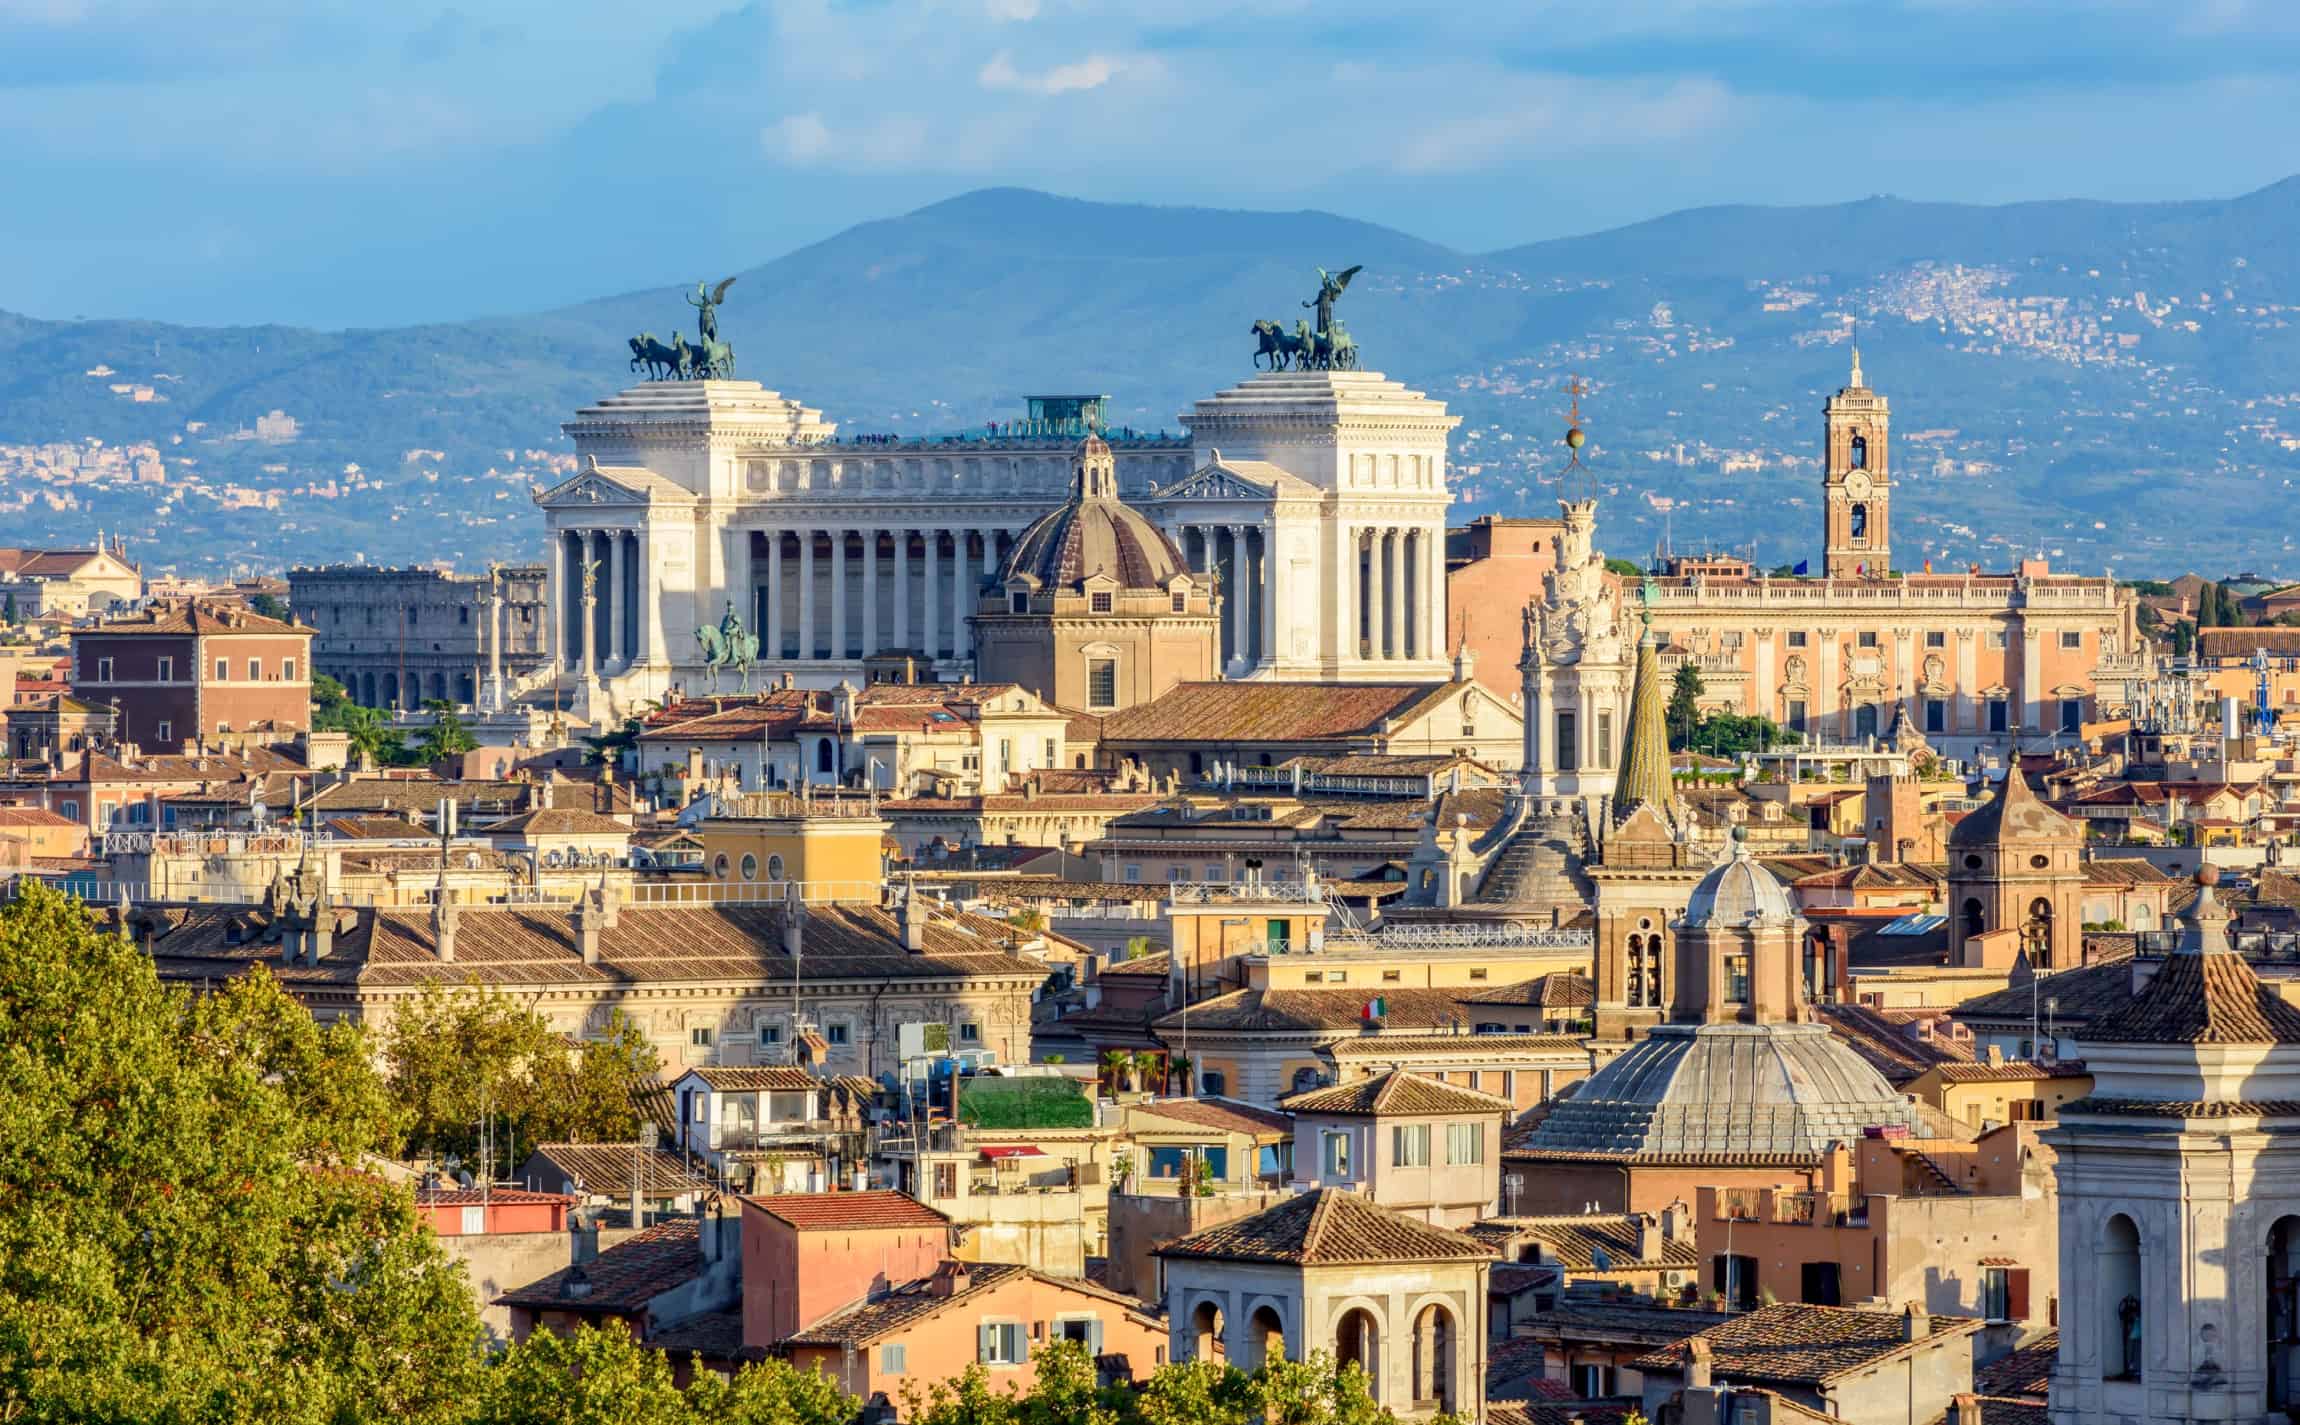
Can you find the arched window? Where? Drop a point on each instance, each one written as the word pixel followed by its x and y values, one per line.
pixel 1975 920
pixel 1860 521
pixel 1860 453
pixel 823 755
pixel 1433 1344
pixel 1265 1338
pixel 2036 935
pixel 1205 1331
pixel 2121 1309
pixel 1357 1340
pixel 2283 1314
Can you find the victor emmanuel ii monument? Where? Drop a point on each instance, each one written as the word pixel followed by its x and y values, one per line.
pixel 713 516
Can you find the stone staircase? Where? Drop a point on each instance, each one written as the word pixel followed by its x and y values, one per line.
pixel 1540 866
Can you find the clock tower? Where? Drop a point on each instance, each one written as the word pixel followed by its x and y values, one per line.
pixel 1856 482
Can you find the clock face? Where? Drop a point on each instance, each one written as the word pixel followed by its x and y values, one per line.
pixel 1857 485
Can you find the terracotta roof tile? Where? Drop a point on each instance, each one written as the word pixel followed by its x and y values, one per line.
pixel 1269 712
pixel 848 1211
pixel 1394 1093
pixel 193 616
pixel 1226 1115
pixel 1409 1008
pixel 2201 999
pixel 606 1169
pixel 2025 1372
pixel 2183 1108
pixel 622 1279
pixel 1790 1343
pixel 1328 1227
pixel 1465 1046
pixel 904 1306
pixel 780 1078
pixel 1574 1240
pixel 1977 1073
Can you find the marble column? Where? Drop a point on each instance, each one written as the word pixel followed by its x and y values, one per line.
pixel 556 629
pixel 494 635
pixel 1377 596
pixel 902 588
pixel 1394 585
pixel 1241 593
pixel 771 618
pixel 870 641
pixel 807 646
pixel 930 619
pixel 1273 596
pixel 958 599
pixel 838 593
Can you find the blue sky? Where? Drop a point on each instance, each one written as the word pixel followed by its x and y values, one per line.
pixel 267 160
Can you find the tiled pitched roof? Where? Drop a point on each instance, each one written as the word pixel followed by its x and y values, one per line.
pixel 711 1336
pixel 2201 999
pixel 1556 1412
pixel 2026 1371
pixel 1328 1227
pixel 559 821
pixel 1222 1114
pixel 2014 815
pixel 1464 1046
pixel 1889 1047
pixel 1394 1093
pixel 1270 712
pixel 625 1277
pixel 474 1197
pixel 1561 989
pixel 1639 1325
pixel 2085 993
pixel 848 1211
pixel 2122 871
pixel 781 1078
pixel 1795 1344
pixel 2017 1073
pixel 1574 1240
pixel 2183 1108
pixel 606 1168
pixel 1409 1008
pixel 193 616
pixel 914 1301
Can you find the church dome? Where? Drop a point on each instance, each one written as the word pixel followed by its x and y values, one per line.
pixel 1738 892
pixel 1744 1090
pixel 1094 533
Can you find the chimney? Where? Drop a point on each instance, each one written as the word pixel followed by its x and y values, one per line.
pixel 951 1278
pixel 586 920
pixel 1916 1323
pixel 1697 1363
pixel 794 924
pixel 1677 1222
pixel 443 922
pixel 913 915
pixel 707 1224
pixel 1649 1238
pixel 322 941
pixel 1967 1409
pixel 582 1237
pixel 1996 1054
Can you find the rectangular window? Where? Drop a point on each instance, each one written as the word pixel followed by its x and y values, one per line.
pixel 946 1180
pixel 1101 682
pixel 1867 639
pixel 1796 638
pixel 1410 1145
pixel 2072 640
pixel 287 669
pixel 1004 1343
pixel 1216 873
pixel 699 1038
pixel 1465 1143
pixel 165 732
pixel 255 670
pixel 1737 979
pixel 1181 603
pixel 1604 738
pixel 1735 1279
pixel 1335 1153
pixel 1337 977
pixel 1818 1284
pixel 1391 977
pixel 1936 715
pixel 2072 715
pixel 474 1220
pixel 1479 973
pixel 770 1034
pixel 1133 874
pixel 1936 638
pixel 1099 602
pixel 1796 714
pixel 103 670
pixel 1568 743
pixel 223 670
pixel 835 1033
pixel 1169 1162
pixel 890 1359
pixel 1996 1294
pixel 1018 602
pixel 167 670
pixel 970 1034
pixel 1592 1382
pixel 2000 713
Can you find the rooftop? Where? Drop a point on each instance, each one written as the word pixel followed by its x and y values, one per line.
pixel 848 1211
pixel 622 1279
pixel 1794 1344
pixel 1394 1093
pixel 1328 1227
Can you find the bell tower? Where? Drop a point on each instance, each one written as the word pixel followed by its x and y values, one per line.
pixel 1856 481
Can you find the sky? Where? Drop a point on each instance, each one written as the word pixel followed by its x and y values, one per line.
pixel 249 161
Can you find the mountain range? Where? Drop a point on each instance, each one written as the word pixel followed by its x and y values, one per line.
pixel 2113 384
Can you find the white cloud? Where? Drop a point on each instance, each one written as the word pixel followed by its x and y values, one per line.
pixel 883 141
pixel 1092 72
pixel 1011 11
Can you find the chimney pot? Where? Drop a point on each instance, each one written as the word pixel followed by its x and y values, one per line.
pixel 1697 1363
pixel 1916 1323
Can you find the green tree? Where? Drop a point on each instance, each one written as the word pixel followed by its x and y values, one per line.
pixel 186 1235
pixel 2183 638
pixel 1726 734
pixel 1684 712
pixel 455 1057
pixel 269 606
pixel 1626 568
pixel 605 1377
pixel 446 737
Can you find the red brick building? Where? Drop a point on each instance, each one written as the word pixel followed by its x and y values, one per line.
pixel 191 671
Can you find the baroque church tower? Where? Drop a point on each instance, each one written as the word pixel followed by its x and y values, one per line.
pixel 1856 481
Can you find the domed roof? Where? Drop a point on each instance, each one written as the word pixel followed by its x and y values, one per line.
pixel 2015 813
pixel 1748 1090
pixel 1739 892
pixel 1095 533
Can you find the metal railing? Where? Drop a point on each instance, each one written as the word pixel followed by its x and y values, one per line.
pixel 1420 936
pixel 1222 892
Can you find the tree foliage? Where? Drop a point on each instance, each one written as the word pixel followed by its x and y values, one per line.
pixel 446 737
pixel 183 1234
pixel 266 605
pixel 1200 1392
pixel 466 1058
pixel 373 738
pixel 1684 711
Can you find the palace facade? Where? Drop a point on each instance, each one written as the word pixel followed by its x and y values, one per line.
pixel 1314 500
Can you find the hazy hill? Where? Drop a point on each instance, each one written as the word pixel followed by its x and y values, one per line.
pixel 2054 366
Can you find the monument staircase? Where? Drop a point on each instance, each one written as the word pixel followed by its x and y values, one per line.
pixel 1540 865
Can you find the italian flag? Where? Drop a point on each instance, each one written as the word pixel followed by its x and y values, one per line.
pixel 1376 1008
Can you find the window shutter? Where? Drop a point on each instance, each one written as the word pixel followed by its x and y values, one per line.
pixel 1094 1336
pixel 1021 1344
pixel 2016 1293
pixel 986 1344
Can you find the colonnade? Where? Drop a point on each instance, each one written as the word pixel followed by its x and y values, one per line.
pixel 1238 556
pixel 1397 575
pixel 620 632
pixel 846 593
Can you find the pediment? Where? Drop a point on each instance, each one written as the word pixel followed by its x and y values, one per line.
pixel 599 485
pixel 1217 482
